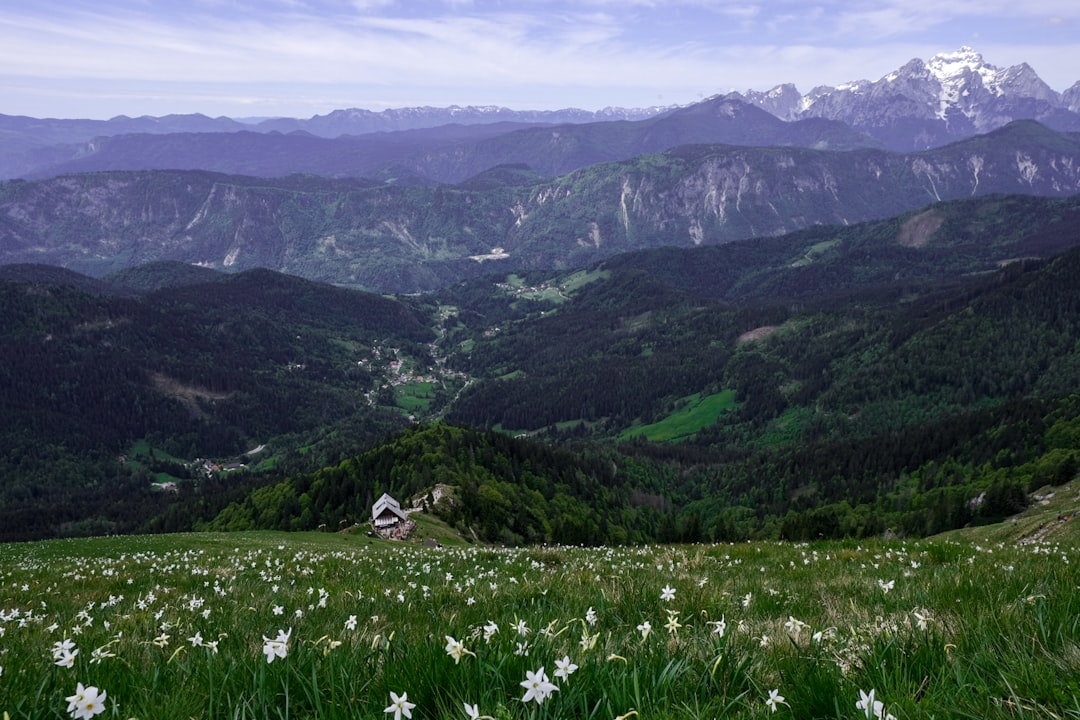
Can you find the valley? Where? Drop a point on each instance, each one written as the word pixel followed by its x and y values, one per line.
pixel 665 381
pixel 846 313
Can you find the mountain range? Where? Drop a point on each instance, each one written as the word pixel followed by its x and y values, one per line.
pixel 410 238
pixel 925 104
pixel 922 105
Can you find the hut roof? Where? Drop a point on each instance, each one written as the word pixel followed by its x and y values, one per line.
pixel 386 503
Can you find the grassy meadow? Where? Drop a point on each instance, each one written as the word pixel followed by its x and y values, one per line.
pixel 695 414
pixel 270 625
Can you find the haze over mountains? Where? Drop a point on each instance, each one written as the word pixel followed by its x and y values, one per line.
pixel 919 106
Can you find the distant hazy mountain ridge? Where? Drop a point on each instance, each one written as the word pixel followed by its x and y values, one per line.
pixel 393 238
pixel 922 105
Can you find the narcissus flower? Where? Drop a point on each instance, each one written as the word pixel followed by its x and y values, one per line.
pixel 400 705
pixel 455 649
pixel 537 686
pixel 774 699
pixel 276 647
pixel 86 702
pixel 564 667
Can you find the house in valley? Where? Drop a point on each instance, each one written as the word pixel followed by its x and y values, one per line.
pixel 386 512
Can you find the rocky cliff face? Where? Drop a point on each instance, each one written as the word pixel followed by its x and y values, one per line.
pixel 407 239
pixel 1070 99
pixel 926 104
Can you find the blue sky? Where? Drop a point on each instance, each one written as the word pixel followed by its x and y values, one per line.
pixel 298 58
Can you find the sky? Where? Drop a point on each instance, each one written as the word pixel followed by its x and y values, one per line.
pixel 300 58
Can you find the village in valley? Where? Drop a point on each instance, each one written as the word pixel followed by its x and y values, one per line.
pixel 418 383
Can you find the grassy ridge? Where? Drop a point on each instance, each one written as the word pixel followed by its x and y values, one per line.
pixel 183 626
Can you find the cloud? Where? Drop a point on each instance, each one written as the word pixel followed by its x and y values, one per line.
pixel 537 52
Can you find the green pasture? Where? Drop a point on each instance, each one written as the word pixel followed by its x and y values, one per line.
pixel 695 412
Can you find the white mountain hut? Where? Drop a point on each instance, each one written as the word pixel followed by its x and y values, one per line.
pixel 386 512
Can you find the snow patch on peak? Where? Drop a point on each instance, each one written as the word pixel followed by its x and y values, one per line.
pixel 854 86
pixel 959 73
pixel 949 63
pixel 954 67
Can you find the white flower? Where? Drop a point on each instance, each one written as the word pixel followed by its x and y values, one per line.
pixel 794 626
pixel 62 646
pixel 277 647
pixel 65 658
pixel 874 709
pixel 564 668
pixel 667 594
pixel 886 586
pixel 774 699
pixel 99 654
pixel 719 626
pixel 455 649
pixel 866 704
pixel 86 702
pixel 350 624
pixel 472 711
pixel 644 628
pixel 537 686
pixel 400 705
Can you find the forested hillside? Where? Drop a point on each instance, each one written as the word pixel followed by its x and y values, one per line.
pixel 843 419
pixel 907 376
pixel 502 490
pixel 202 371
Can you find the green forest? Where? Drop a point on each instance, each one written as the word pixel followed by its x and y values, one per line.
pixel 902 377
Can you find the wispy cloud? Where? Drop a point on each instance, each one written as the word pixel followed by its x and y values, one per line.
pixel 534 52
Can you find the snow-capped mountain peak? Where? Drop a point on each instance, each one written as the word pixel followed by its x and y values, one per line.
pixel 956 67
pixel 923 104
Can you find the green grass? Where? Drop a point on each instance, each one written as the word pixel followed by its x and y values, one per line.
pixel 577 280
pixel 814 252
pixel 786 428
pixel 429 527
pixel 1051 518
pixel 937 628
pixel 415 396
pixel 141 452
pixel 696 412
